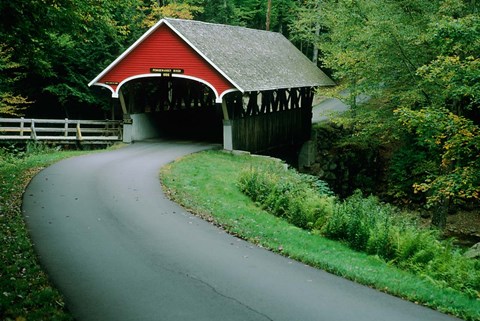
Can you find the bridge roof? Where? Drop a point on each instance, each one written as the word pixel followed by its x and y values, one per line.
pixel 242 59
pixel 255 60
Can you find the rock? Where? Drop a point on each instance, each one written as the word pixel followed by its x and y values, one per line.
pixel 306 158
pixel 473 252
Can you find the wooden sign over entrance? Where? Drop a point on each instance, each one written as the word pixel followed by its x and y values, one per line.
pixel 166 72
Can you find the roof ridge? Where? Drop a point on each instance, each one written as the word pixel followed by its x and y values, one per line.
pixel 222 25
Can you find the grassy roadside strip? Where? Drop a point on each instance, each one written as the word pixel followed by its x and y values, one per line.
pixel 25 290
pixel 206 183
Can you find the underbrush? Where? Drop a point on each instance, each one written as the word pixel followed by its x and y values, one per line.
pixel 363 223
pixel 301 199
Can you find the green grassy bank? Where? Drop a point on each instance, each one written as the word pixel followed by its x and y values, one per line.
pixel 207 184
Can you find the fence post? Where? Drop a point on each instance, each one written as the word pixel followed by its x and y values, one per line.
pixel 21 126
pixel 120 130
pixel 33 134
pixel 66 127
pixel 79 132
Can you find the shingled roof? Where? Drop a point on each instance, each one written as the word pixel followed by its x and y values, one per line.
pixel 251 60
pixel 254 60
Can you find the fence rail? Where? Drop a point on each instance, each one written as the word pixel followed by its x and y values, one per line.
pixel 60 130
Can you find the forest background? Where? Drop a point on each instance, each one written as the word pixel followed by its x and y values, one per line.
pixel 417 60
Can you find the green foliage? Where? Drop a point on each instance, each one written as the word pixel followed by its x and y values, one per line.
pixel 414 248
pixel 367 225
pixel 301 199
pixel 10 104
pixel 219 11
pixel 349 159
pixel 250 13
pixel 363 223
pixel 61 46
pixel 408 165
pixel 452 77
pixel 316 184
pixel 305 25
pixel 455 142
pixel 372 45
pixel 421 59
pixel 155 11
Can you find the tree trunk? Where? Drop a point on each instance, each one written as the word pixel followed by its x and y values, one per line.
pixel 440 213
pixel 315 47
pixel 269 12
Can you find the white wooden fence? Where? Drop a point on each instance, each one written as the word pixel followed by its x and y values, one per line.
pixel 60 130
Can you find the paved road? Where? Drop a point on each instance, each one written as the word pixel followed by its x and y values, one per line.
pixel 119 250
pixel 327 108
pixel 332 106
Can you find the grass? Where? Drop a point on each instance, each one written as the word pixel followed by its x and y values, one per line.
pixel 363 223
pixel 206 183
pixel 26 292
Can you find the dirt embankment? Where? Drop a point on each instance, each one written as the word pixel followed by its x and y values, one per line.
pixel 465 227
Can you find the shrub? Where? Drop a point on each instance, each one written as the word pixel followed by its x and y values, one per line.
pixel 380 240
pixel 364 223
pixel 321 187
pixel 297 212
pixel 287 194
pixel 280 196
pixel 449 268
pixel 256 184
pixel 336 224
pixel 414 247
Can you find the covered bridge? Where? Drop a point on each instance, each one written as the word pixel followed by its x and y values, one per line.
pixel 251 87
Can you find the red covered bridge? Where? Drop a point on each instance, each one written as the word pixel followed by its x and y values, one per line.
pixel 205 80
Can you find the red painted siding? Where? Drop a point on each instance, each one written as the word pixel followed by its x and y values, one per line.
pixel 164 49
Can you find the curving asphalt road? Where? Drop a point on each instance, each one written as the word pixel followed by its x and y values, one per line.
pixel 118 249
pixel 333 106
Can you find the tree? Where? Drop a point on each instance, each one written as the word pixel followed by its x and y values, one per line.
pixel 282 15
pixel 250 13
pixel 61 46
pixel 305 27
pixel 219 11
pixel 422 58
pixel 10 104
pixel 452 77
pixel 376 46
pixel 452 143
pixel 155 10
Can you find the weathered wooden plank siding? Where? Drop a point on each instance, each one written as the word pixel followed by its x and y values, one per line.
pixel 267 131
